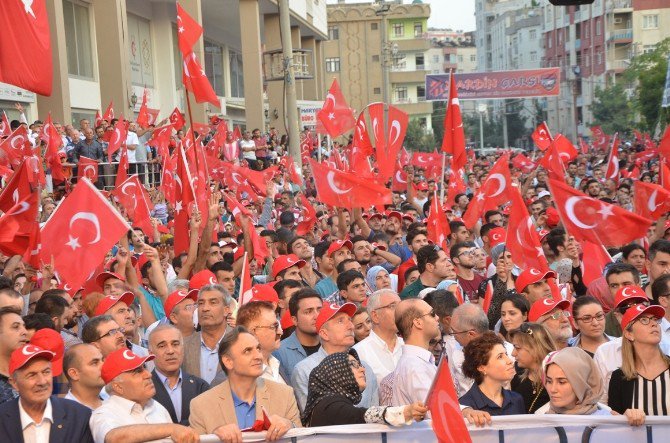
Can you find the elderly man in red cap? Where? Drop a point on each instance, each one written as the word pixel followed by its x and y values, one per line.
pixel 336 334
pixel 37 416
pixel 131 413
pixel 555 316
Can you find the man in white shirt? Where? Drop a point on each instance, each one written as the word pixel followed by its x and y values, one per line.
pixel 36 416
pixel 260 319
pixel 82 365
pixel 416 369
pixel 468 322
pixel 130 412
pixel 382 348
pixel 248 148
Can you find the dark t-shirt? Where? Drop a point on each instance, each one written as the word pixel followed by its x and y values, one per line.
pixel 309 350
pixel 6 391
pixel 471 287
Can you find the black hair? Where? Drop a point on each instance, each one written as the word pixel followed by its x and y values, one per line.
pixel 630 248
pixel 442 301
pixel 427 254
pixel 661 245
pixel 302 294
pixel 346 278
pixel 659 287
pixel 38 320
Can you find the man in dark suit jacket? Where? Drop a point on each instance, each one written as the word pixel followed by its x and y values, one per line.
pixel 174 388
pixel 31 375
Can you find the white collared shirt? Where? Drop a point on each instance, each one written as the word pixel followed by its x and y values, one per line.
pixel 36 432
pixel 375 352
pixel 117 411
pixel 413 375
pixel 271 371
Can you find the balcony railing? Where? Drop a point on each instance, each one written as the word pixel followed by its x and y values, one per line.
pixel 622 34
pixel 619 64
pixel 619 4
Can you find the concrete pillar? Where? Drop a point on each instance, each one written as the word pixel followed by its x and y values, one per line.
pixel 111 34
pixel 309 87
pixel 162 25
pixel 251 59
pixel 59 101
pixel 194 9
pixel 319 71
pixel 275 89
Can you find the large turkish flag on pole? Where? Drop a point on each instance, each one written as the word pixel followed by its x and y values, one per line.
pixel 25 46
pixel 83 228
pixel 453 141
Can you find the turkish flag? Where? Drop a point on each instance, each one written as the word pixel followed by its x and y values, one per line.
pixel 346 189
pixel 595 258
pixel 185 200
pixel 613 161
pixel 82 229
pixel 122 170
pixel 600 139
pixel 426 159
pixel 494 192
pixel 337 117
pixel 456 186
pixel 235 207
pixel 560 152
pixel 177 119
pixel 16 147
pixel 196 81
pixel 522 240
pixel 5 127
pixel 143 115
pixel 404 157
pixel 98 118
pixel 52 138
pixel 541 136
pixel 596 221
pixel 17 226
pixel 307 218
pixel 237 134
pixel 134 198
pixel 293 172
pixel 387 145
pixel 25 46
pixel 152 116
pixel 436 224
pixel 453 141
pixel 361 140
pixel 17 189
pixel 118 138
pixel 583 146
pixel 257 179
pixel 261 251
pixel 664 173
pixel 399 180
pixel 188 31
pixel 522 162
pixel 445 412
pixel 488 296
pixel 109 112
pixel 167 185
pixel 651 200
pixel 664 145
pixel 88 168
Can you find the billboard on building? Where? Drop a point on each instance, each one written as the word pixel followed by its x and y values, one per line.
pixel 542 82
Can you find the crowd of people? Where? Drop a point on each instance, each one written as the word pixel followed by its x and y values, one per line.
pixel 345 322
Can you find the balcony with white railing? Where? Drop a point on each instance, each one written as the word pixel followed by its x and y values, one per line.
pixel 619 65
pixel 621 35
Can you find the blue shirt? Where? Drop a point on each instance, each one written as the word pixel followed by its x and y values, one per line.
pixel 209 361
pixel 325 287
pixel 155 302
pixel 245 412
pixel 174 393
pixel 512 402
pixel 289 354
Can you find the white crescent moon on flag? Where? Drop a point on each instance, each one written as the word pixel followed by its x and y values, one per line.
pixel 502 184
pixel 570 210
pixel 178 180
pixel 329 97
pixel 24 207
pixel 91 167
pixel 652 201
pixel 14 139
pixel 330 177
pixel 90 217
pixel 398 177
pixel 395 126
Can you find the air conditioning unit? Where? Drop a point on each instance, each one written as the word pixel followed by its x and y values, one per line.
pixel 618 20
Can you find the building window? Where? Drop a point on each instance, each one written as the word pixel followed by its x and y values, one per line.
pixel 377 91
pixel 418 30
pixel 78 39
pixel 648 48
pixel 236 74
pixel 598 30
pixel 599 58
pixel 374 26
pixel 333 64
pixel 375 58
pixel 532 34
pixel 399 29
pixel 436 58
pixel 460 58
pixel 587 61
pixel 140 52
pixel 533 56
pixel 549 41
pixel 421 92
pixel 650 21
pixel 401 93
pixel 214 66
pixel 419 62
pixel 333 33
pixel 586 28
pixel 473 57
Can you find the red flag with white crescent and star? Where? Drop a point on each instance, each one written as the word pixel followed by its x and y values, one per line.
pixel 196 81
pixel 347 189
pixel 541 136
pixel 488 296
pixel 122 170
pixel 88 168
pixel 118 137
pixel 600 140
pixel 335 115
pixel 595 258
pixel 17 226
pixel 445 411
pixel 651 200
pixel 143 115
pixel 52 138
pixel 593 220
pixel 613 161
pixel 5 128
pixel 17 189
pixel 82 229
pixel 109 112
pixel 453 141
pixel 185 202
pixel 16 147
pixel 437 225
pixel 522 240
pixel 494 192
pixel 456 186
pixel 188 31
pixel 177 119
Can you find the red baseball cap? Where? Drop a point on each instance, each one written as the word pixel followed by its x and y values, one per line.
pixel 545 306
pixel 530 276
pixel 422 186
pixel 120 361
pixel 408 217
pixel 264 293
pixel 283 262
pixel 329 310
pixel 177 297
pixel 394 214
pixel 497 236
pixel 24 354
pixel 101 278
pixel 375 215
pixel 628 293
pixel 106 303
pixel 51 340
pixel 543 234
pixel 635 311
pixel 202 278
pixel 337 245
pixel 552 217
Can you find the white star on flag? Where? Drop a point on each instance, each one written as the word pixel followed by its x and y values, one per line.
pixel 331 116
pixel 181 29
pixel 178 207
pixel 605 211
pixel 73 243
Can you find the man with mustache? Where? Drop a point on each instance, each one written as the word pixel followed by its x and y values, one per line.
pixel 174 388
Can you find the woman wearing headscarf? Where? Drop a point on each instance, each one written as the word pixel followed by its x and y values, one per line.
pixel 334 389
pixel 574 384
pixel 379 278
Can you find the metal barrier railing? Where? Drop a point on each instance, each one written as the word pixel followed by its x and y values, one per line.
pixel 148 172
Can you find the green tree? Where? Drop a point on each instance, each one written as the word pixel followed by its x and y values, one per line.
pixel 612 109
pixel 417 138
pixel 439 109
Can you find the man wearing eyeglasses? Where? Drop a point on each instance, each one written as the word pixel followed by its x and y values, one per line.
pixel 463 258
pixel 104 333
pixel 660 292
pixel 259 318
pixel 555 316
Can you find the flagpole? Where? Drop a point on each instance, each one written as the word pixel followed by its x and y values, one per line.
pixel 444 166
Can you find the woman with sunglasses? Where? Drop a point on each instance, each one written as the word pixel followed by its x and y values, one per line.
pixel 335 387
pixel 590 322
pixel 640 386
pixel 531 343
pixel 487 363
